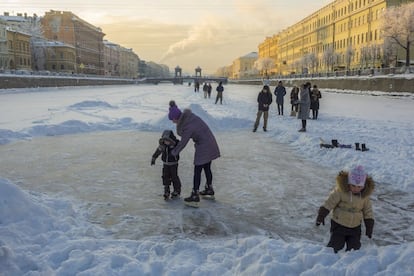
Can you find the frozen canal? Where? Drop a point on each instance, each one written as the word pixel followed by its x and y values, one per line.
pixel 94 146
pixel 109 174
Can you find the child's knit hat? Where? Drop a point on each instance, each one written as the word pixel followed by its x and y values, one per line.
pixel 357 176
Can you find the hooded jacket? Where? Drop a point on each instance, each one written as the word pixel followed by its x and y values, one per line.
pixel 350 209
pixel 165 150
pixel 190 126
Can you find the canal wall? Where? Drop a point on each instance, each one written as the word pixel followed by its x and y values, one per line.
pixel 14 81
pixel 362 83
pixel 366 83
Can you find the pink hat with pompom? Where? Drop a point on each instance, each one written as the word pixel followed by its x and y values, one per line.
pixel 357 176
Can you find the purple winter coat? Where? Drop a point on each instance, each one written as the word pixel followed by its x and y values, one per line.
pixel 190 126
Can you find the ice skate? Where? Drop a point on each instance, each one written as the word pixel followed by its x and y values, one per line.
pixel 193 200
pixel 175 195
pixel 208 193
pixel 166 192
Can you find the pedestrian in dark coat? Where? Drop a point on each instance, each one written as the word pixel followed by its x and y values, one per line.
pixel 209 88
pixel 294 97
pixel 304 105
pixel 314 97
pixel 167 143
pixel 350 205
pixel 280 92
pixel 220 90
pixel 264 99
pixel 190 126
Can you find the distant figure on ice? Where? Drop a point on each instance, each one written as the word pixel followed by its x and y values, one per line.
pixel 209 88
pixel 220 90
pixel 314 97
pixel 264 99
pixel 280 92
pixel 351 204
pixel 205 90
pixel 167 143
pixel 196 86
pixel 190 126
pixel 304 105
pixel 294 97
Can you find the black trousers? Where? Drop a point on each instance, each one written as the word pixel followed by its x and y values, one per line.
pixel 341 235
pixel 280 109
pixel 170 175
pixel 197 175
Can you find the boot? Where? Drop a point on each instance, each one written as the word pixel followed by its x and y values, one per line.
pixel 175 195
pixel 193 197
pixel 208 192
pixel 364 148
pixel 335 143
pixel 166 192
pixel 193 200
pixel 302 130
pixel 357 146
pixel 264 129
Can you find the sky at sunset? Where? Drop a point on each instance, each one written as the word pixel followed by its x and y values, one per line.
pixel 209 34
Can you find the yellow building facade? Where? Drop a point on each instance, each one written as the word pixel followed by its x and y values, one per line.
pixel 343 35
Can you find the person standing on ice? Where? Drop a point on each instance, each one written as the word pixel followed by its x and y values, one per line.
pixel 304 105
pixel 167 143
pixel 294 97
pixel 280 92
pixel 315 95
pixel 220 90
pixel 351 204
pixel 190 126
pixel 264 99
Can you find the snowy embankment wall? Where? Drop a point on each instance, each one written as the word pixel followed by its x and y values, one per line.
pixel 363 83
pixel 389 83
pixel 13 81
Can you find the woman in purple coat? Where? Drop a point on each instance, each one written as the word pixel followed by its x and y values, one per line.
pixel 190 126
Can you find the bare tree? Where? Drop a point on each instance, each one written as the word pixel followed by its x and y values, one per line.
pixel 330 58
pixel 389 53
pixel 349 54
pixel 264 65
pixel 398 25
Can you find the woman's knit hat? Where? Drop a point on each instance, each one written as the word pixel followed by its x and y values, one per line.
pixel 174 112
pixel 357 176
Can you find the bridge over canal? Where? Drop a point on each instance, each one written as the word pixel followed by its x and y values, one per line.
pixel 182 80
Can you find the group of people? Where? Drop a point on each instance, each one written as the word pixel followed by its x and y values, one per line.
pixel 207 91
pixel 349 201
pixel 302 101
pixel 189 126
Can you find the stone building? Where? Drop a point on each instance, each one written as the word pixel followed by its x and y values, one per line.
pixel 128 63
pixel 343 35
pixel 16 32
pixel 243 67
pixel 87 39
pixel 111 58
pixel 54 56
pixel 19 50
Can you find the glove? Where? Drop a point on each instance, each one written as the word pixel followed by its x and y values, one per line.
pixel 369 227
pixel 152 161
pixel 322 213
